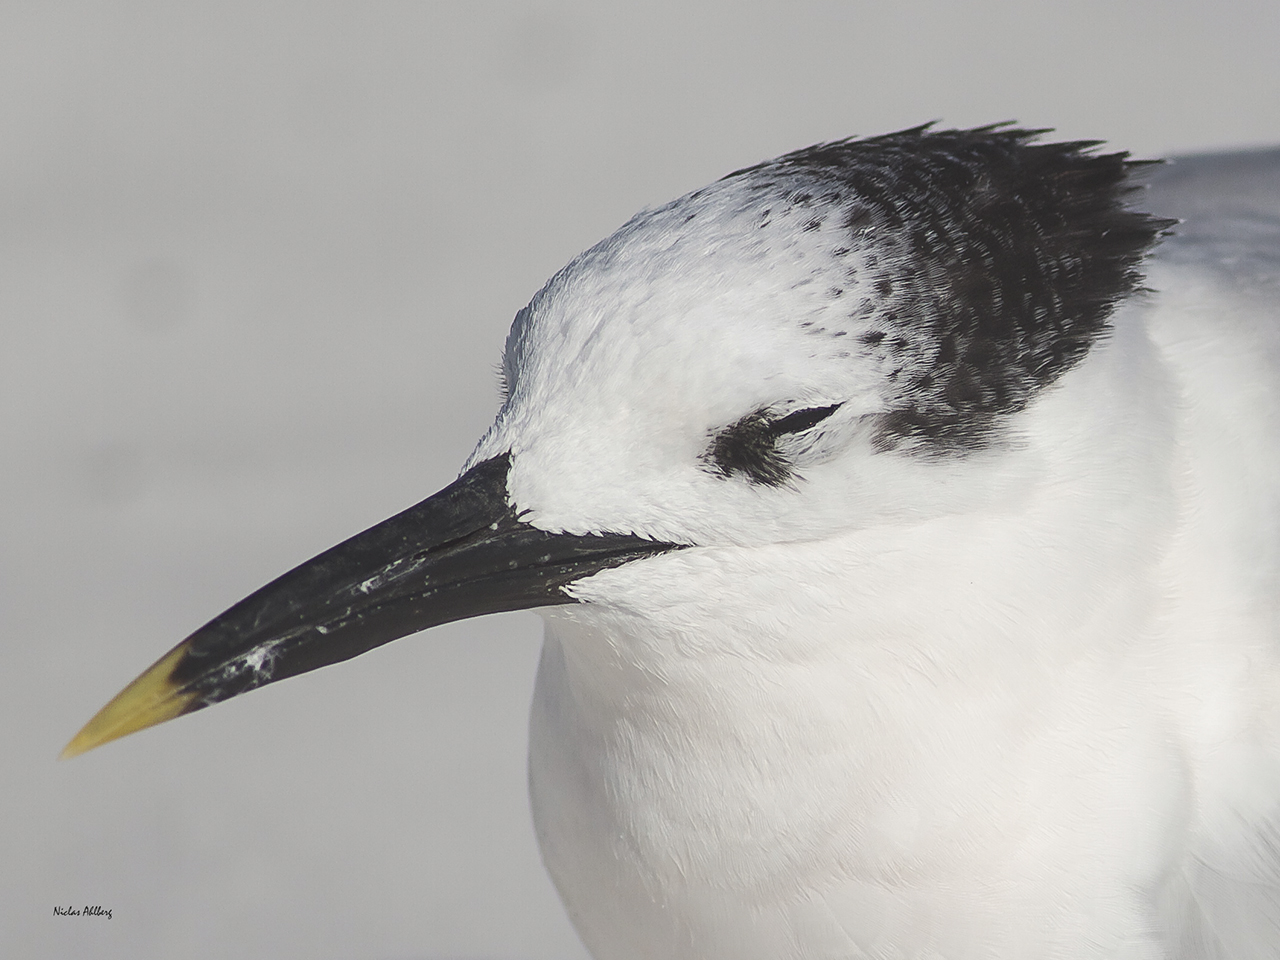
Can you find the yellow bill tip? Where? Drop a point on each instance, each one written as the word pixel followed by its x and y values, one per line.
pixel 153 698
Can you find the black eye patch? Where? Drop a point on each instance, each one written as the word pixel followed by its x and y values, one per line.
pixel 750 446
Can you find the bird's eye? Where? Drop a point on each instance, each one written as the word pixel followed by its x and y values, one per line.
pixel 750 446
pixel 803 419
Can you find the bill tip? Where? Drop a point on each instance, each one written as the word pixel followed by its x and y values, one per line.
pixel 151 699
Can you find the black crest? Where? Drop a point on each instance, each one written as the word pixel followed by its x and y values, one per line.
pixel 996 263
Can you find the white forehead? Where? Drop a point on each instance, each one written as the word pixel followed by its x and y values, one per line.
pixel 719 291
pixel 688 318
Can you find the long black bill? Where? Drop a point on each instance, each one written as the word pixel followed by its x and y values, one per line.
pixel 461 553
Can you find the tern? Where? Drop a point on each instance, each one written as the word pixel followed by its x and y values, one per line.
pixel 905 517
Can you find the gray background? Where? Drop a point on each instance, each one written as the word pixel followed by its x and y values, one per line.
pixel 256 265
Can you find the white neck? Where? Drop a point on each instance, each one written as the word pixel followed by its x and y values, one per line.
pixel 884 709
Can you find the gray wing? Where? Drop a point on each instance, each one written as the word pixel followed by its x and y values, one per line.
pixel 1229 234
pixel 1216 185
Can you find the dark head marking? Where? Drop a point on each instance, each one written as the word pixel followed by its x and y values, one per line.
pixel 993 264
pixel 750 446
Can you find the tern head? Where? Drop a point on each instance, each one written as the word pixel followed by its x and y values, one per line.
pixel 838 338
